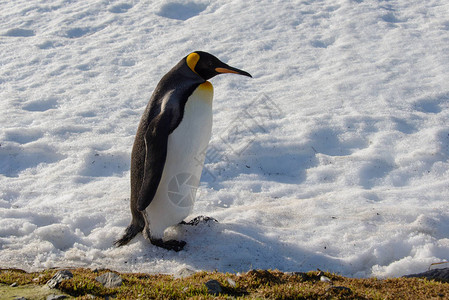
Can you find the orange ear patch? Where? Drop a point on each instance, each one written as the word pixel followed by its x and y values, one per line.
pixel 192 60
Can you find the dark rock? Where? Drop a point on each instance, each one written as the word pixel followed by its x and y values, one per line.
pixel 59 277
pixel 109 280
pixel 436 274
pixel 20 298
pixel 213 287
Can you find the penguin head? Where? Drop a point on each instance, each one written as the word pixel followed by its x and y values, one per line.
pixel 207 66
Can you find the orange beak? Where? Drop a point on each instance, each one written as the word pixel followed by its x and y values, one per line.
pixel 233 71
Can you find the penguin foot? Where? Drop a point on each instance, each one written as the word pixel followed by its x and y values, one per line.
pixel 131 231
pixel 198 220
pixel 169 245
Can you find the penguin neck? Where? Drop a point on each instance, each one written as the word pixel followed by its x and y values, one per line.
pixel 183 69
pixel 207 90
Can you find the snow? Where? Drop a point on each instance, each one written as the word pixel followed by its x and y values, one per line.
pixel 334 156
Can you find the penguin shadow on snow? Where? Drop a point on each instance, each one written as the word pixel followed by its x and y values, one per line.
pixel 280 163
pixel 279 160
pixel 241 247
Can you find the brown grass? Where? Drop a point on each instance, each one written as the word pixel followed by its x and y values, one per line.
pixel 255 284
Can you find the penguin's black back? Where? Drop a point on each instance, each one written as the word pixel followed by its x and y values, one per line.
pixel 173 89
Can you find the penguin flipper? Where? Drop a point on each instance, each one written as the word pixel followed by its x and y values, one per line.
pixel 156 139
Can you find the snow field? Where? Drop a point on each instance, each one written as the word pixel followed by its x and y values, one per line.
pixel 335 156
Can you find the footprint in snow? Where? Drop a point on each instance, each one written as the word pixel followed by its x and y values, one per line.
pixel 120 8
pixel 23 136
pixel 181 11
pixel 19 32
pixel 48 45
pixel 333 8
pixel 323 43
pixel 372 172
pixel 428 107
pixel 404 125
pixel 41 105
pixel 431 105
pixel 326 141
pixel 391 18
pixel 78 32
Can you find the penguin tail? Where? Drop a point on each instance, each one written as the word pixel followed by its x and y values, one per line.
pixel 131 231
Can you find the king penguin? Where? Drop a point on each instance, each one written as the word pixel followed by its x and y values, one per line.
pixel 169 148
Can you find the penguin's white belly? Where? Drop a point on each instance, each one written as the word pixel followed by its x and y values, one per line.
pixel 186 150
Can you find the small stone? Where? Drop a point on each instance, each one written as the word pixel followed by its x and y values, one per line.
pixel 55 297
pixel 109 280
pixel 184 272
pixel 14 284
pixel 37 279
pixel 59 277
pixel 20 298
pixel 213 287
pixel 231 282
